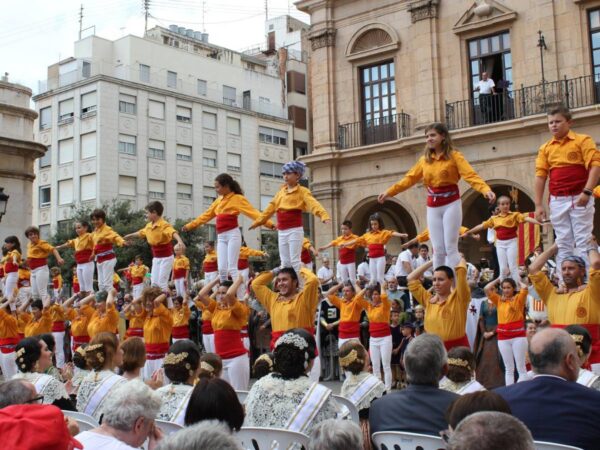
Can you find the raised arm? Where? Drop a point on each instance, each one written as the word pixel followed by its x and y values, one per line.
pixel 67 304
pixel 134 235
pixel 414 240
pixel 158 301
pixel 59 260
pixel 414 175
pixel 334 289
pixel 400 235
pixel 541 260
pixel 204 294
pixel 476 229
pixel 416 274
pixel 111 298
pixel 231 295
pixel 491 286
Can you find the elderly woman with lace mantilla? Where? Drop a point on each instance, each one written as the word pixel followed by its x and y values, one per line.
pixel 583 341
pixel 460 378
pixel 287 398
pixel 182 365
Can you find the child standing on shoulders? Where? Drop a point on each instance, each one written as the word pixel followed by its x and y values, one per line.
pixel 138 271
pixel 57 282
pixel 210 264
pixel 12 261
pixel 181 270
pixel 104 238
pixel 84 248
pixel 38 251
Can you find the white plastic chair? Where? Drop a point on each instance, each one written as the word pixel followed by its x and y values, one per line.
pixel 241 395
pixel 168 427
pixel 262 438
pixel 84 421
pixel 541 445
pixel 396 440
pixel 351 407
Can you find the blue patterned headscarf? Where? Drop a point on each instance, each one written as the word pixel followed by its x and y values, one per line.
pixel 294 166
pixel 579 261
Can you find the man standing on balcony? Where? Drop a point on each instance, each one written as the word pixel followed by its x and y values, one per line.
pixel 486 89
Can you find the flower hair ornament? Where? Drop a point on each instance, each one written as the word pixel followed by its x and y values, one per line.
pixel 91 348
pixel 458 362
pixel 266 358
pixel 81 351
pixel 578 338
pixel 293 339
pixel 206 366
pixel 345 361
pixel 175 358
pixel 19 357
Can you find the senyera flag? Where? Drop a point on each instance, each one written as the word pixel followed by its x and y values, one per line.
pixel 529 238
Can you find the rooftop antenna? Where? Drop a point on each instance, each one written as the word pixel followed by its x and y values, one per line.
pixel 80 20
pixel 266 10
pixel 203 16
pixel 146 14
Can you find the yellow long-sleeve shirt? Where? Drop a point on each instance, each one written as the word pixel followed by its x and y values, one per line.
pixel 376 314
pixel 181 316
pixel 81 320
pixel 343 239
pixel 158 326
pixel 136 320
pixel 138 271
pixel 375 237
pixel 440 172
pixel 350 311
pixel 40 250
pixel 83 242
pixel 447 320
pixel 247 252
pixel 297 198
pixel 9 327
pixel 573 150
pixel 12 261
pixel 181 262
pixel 42 326
pixel 57 313
pixel 106 235
pixel 22 320
pixel 231 204
pixel 158 233
pixel 297 312
pixel 510 310
pixel 509 220
pixel 582 307
pixel 108 322
pixel 423 236
pixel 228 318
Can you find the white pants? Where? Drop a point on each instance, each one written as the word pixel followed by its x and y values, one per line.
pixel 137 290
pixel 508 253
pixel 151 366
pixel 236 371
pixel 245 273
pixel 513 350
pixel 39 282
pixel 106 272
pixel 10 285
pixel 85 275
pixel 315 372
pixel 8 365
pixel 573 227
pixel 209 276
pixel 377 269
pixel 444 225
pixel 228 253
pixel 342 341
pixel 180 286
pixel 381 353
pixel 208 341
pixel 346 272
pixel 246 343
pixel 290 247
pixel 161 271
pixel 59 350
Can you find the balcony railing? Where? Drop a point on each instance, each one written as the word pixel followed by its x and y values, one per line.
pixel 374 131
pixel 526 101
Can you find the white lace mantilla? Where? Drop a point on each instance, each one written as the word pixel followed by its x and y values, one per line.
pixel 271 402
pixel 465 387
pixel 352 382
pixel 88 387
pixel 78 377
pixel 53 389
pixel 172 395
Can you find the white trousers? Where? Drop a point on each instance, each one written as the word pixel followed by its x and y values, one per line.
pixel 245 273
pixel 290 247
pixel 444 224
pixel 59 350
pixel 377 269
pixel 342 341
pixel 228 253
pixel 151 366
pixel 10 285
pixel 8 365
pixel 381 353
pixel 513 350
pixel 137 290
pixel 573 227
pixel 24 294
pixel 85 275
pixel 315 372
pixel 208 341
pixel 246 343
pixel 508 254
pixel 180 286
pixel 106 271
pixel 236 371
pixel 209 276
pixel 161 271
pixel 346 272
pixel 596 368
pixel 39 282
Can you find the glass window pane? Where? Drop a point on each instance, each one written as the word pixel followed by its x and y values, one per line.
pixel 393 86
pixel 507 60
pixel 384 71
pixel 485 46
pixel 475 66
pixel 384 89
pixel 508 75
pixel 368 107
pixel 368 117
pixel 393 101
pixel 496 43
pixel 473 48
pixel 506 41
pixel 392 70
pixel 376 104
pixel 366 74
pixel 385 103
pixel 596 40
pixel 595 19
pixel 376 90
pixel 475 80
pixel 367 91
pixel 596 56
pixel 374 73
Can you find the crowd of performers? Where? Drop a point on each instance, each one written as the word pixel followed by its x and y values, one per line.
pixel 438 292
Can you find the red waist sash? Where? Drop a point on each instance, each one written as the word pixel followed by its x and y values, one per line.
pixel 567 180
pixel 137 280
pixel 207 327
pixel 76 288
pixel 228 344
pixel 226 222
pixel 104 252
pixel 376 250
pixel 56 284
pixel 510 330
pixel 305 256
pixel 349 330
pixel 179 273
pixel 287 219
pixel 210 266
pixel 34 263
pixel 506 233
pixel 277 334
pixel 83 256
pixel 379 329
pixel 156 351
pixel 244 331
pixel 460 342
pixel 7 345
pixel 10 267
pixel 162 251
pixel 347 255
pixel 442 195
pixel 139 332
pixel 594 330
pixel 58 327
pixel 181 332
pixel 243 264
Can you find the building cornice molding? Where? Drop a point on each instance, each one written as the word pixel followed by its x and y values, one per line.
pixel 17 174
pixel 321 38
pixel 18 147
pixel 18 111
pixel 482 15
pixel 423 10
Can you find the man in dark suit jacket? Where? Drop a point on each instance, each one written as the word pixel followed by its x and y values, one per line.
pixel 420 408
pixel 553 405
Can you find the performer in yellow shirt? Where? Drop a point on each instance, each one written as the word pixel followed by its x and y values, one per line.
pixel 350 311
pixel 104 238
pixel 12 261
pixel 106 316
pixel 38 251
pixel 138 271
pixel 9 337
pixel 41 320
pixel 289 203
pixel 181 271
pixel 83 245
pixel 226 208
pixel 346 266
pixel 58 330
pixel 160 234
pixel 181 318
pixel 307 253
pixel 80 315
pixel 157 329
pixel 440 168
pixel 209 264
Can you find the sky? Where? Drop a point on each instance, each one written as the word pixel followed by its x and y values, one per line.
pixel 37 33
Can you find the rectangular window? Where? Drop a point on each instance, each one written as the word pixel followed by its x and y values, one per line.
pixel 171 79
pixel 378 89
pixel 127 144
pixel 202 87
pixel 45 231
pixel 88 145
pixel 156 149
pixel 184 114
pixel 156 189
pixel 156 110
pixel 184 152
pixel 65 151
pixel 298 116
pixel 184 191
pixel 594 19
pixel 88 103
pixel 234 162
pixel 46 160
pixel 46 118
pixel 127 104
pixel 296 82
pixel 44 196
pixel 209 158
pixel 229 95
pixel 209 121
pixel 268 135
pixel 127 185
pixel 208 196
pixel 65 192
pixel 65 111
pixel 264 201
pixel 144 73
pixel 87 187
pixel 233 126
pixel 271 169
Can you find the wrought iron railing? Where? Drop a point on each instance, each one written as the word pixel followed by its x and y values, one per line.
pixel 526 101
pixel 367 132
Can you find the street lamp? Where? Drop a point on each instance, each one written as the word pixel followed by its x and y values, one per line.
pixel 542 45
pixel 3 202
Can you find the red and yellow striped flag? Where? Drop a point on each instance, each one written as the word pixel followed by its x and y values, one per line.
pixel 529 238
